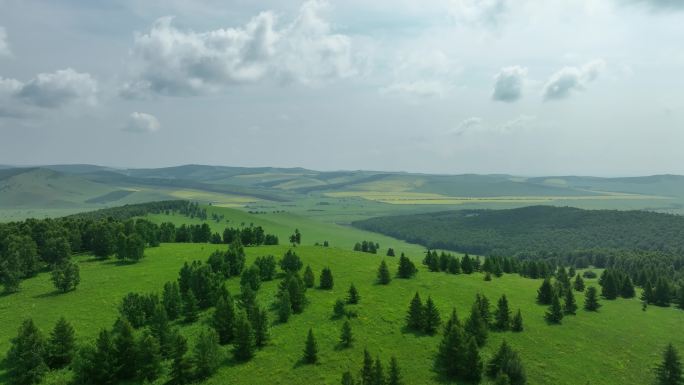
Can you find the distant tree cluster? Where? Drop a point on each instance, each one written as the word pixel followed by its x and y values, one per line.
pixel 367 247
pixel 373 372
pixel 451 264
pixel 249 236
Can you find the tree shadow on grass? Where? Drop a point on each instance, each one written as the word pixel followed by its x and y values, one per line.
pixel 300 362
pixel 49 294
pixel 418 333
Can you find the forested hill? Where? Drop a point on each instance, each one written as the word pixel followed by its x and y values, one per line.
pixel 539 230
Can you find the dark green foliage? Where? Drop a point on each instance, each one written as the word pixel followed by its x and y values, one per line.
pixel 181 367
pixel 125 350
pixel 545 293
pixel 291 262
pixel 284 306
pixel 235 258
pixel 394 375
pixel 415 318
pixel 190 308
pixel 61 346
pixel 347 379
pixel 134 307
pixel 661 294
pixel 378 373
pixel 326 279
pixel 591 299
pixel 296 290
pixel 384 277
pixel 250 277
pixel 296 238
pixel 206 354
pixel 483 305
pixel 579 283
pixel 338 309
pixel 171 299
pixel 346 337
pixel 66 276
pixel 247 300
pixel 149 358
pixel 243 349
pixel 130 247
pixel 669 371
pixel 488 277
pixel 390 252
pixel 555 313
pixel 467 265
pixel 506 361
pixel 406 267
pixel 161 330
pixel 267 267
pixel 202 280
pixel 260 325
pixel 517 323
pixel 308 277
pixel 353 296
pixel 502 314
pixel 223 319
pixel 310 349
pixel 25 358
pixel 476 326
pixel 96 364
pixel 609 284
pixel 450 359
pixel 431 319
pixel 569 304
pixel 472 362
pixel 367 373
pixel 627 289
pixel 367 247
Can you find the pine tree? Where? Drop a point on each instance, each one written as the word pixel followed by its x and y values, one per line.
pixel 347 379
pixel 476 325
pixel 394 375
pixel 61 346
pixel 555 313
pixel 353 296
pixel 472 362
pixel 431 319
pixel 517 324
pixel 346 337
pixel 161 330
pixel 483 304
pixel 415 318
pixel 284 306
pixel 450 357
pixel 338 309
pixel 545 293
pixel 125 350
pixel 609 285
pixel 579 283
pixel 367 374
pixel 591 299
pixel 260 325
pixel 390 252
pixel 406 268
pixel 378 372
pixel 669 372
pixel 206 354
pixel 326 280
pixel 223 319
pixel 181 367
pixel 502 315
pixel 104 360
pixel 662 292
pixel 190 308
pixel 569 305
pixel 627 289
pixel 25 361
pixel 384 277
pixel 149 357
pixel 243 349
pixel 647 295
pixel 310 349
pixel 488 276
pixel 506 361
pixel 308 277
pixel 291 262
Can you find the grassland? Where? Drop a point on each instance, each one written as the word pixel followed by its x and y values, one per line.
pixel 617 345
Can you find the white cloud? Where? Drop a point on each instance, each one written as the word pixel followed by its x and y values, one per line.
pixel 55 89
pixel 140 122
pixel 485 12
pixel 4 45
pixel 508 84
pixel 521 122
pixel 476 125
pixel 177 62
pixel 419 88
pixel 659 4
pixel 562 83
pixel 466 125
pixel 421 74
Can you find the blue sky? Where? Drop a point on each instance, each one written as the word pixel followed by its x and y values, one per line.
pixel 450 86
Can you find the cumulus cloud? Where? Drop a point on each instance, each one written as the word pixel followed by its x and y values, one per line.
pixel 562 83
pixel 477 125
pixel 140 122
pixel 181 62
pixel 508 84
pixel 420 74
pixel 4 45
pixel 484 12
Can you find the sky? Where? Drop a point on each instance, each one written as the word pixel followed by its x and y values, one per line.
pixel 524 87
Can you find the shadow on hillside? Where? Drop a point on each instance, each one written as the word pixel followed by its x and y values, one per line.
pixel 49 294
pixel 418 333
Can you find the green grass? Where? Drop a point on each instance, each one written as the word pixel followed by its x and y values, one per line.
pixel 617 345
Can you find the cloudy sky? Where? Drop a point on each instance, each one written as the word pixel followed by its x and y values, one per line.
pixel 591 87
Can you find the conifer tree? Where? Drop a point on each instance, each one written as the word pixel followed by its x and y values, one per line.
pixel 609 285
pixel 25 358
pixel 310 349
pixel 223 319
pixel 669 372
pixel 508 362
pixel 378 372
pixel 415 318
pixel 406 268
pixel 250 277
pixel 476 325
pixel 517 323
pixel 627 289
pixel 190 308
pixel 472 362
pixel 454 266
pixel 284 307
pixel 555 313
pixel 346 337
pixel 125 350
pixel 367 373
pixel 326 280
pixel 384 277
pixel 243 349
pixel 181 367
pixel 451 353
pixel 488 276
pixel 569 305
pixel 394 375
pixel 545 293
pixel 483 304
pixel 390 252
pixel 662 292
pixel 338 309
pixel 502 315
pixel 61 346
pixel 353 296
pixel 161 330
pixel 291 262
pixel 431 319
pixel 149 357
pixel 347 379
pixel 171 299
pixel 206 354
pixel 680 297
pixel 296 290
pixel 591 299
pixel 647 295
pixel 104 360
pixel 260 325
pixel 579 283
pixel 308 277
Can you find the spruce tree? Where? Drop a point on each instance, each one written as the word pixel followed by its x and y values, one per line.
pixel 284 306
pixel 243 349
pixel 569 305
pixel 149 358
pixel 483 304
pixel 25 358
pixel 406 268
pixel 609 285
pixel 61 346
pixel 125 350
pixel 181 367
pixel 414 318
pixel 506 361
pixel 291 262
pixel 347 379
pixel 378 372
pixel 353 296
pixel 517 323
pixel 326 280
pixel 450 357
pixel 579 283
pixel 367 374
pixel 669 372
pixel 662 292
pixel 260 325
pixel 310 349
pixel 338 309
pixel 206 354
pixel 346 337
pixel 105 360
pixel 502 315
pixel 190 307
pixel 384 277
pixel 161 330
pixel 555 313
pixel 627 289
pixel 308 277
pixel 591 299
pixel 223 319
pixel 472 362
pixel 545 293
pixel 394 375
pixel 476 325
pixel 488 276
pixel 431 319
